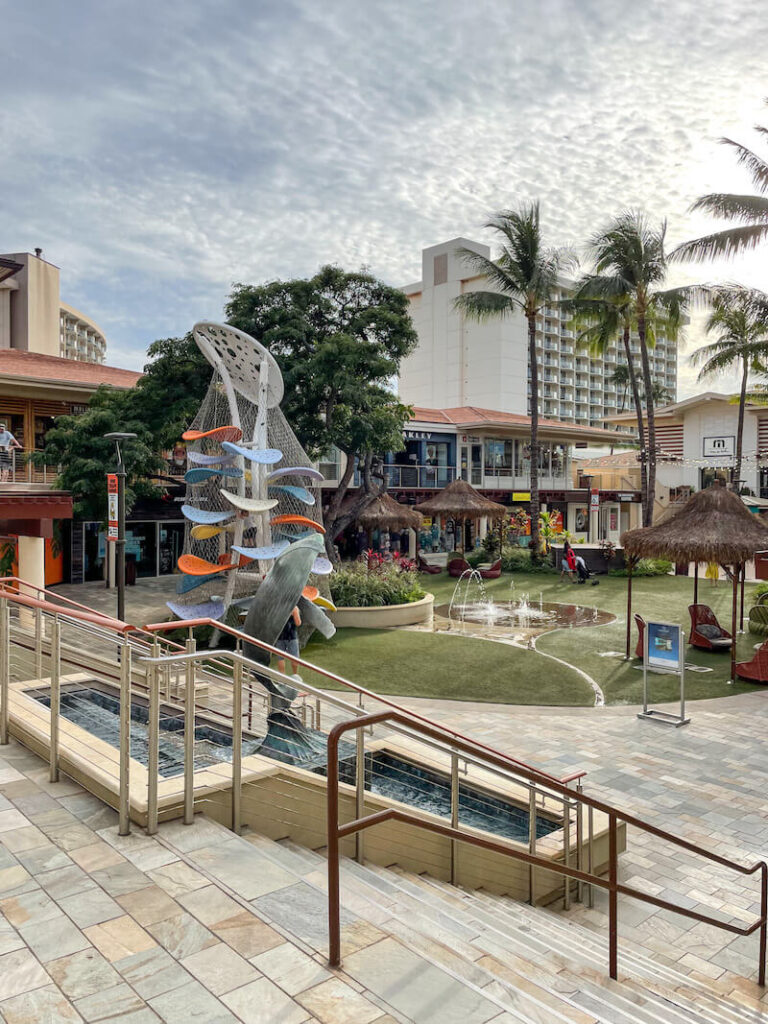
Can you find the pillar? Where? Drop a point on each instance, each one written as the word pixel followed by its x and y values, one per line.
pixel 31 570
pixel 412 543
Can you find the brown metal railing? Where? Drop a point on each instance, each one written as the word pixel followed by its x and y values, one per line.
pixel 615 888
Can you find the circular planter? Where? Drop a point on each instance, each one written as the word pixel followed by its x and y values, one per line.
pixel 385 616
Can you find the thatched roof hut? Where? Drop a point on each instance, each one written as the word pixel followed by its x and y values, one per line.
pixel 387 514
pixel 461 501
pixel 714 525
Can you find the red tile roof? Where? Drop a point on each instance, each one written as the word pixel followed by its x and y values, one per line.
pixel 33 365
pixel 618 459
pixel 471 414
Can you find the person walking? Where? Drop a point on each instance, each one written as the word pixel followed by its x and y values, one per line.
pixel 7 443
pixel 288 641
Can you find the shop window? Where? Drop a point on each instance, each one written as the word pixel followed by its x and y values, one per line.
pixel 141 547
pixel 171 546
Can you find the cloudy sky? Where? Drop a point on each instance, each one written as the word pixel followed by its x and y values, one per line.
pixel 158 152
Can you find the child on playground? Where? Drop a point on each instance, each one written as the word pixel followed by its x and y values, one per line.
pixel 288 641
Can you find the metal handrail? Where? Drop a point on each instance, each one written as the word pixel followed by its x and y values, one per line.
pixel 545 777
pixel 614 887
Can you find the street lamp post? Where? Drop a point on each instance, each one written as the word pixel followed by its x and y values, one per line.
pixel 117 437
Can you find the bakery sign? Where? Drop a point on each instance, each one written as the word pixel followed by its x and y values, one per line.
pixel 722 445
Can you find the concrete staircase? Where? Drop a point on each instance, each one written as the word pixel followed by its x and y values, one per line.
pixel 447 954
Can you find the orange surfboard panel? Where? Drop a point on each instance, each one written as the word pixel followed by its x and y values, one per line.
pixel 194 566
pixel 217 434
pixel 297 521
pixel 311 593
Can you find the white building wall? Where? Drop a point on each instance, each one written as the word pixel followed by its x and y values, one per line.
pixel 713 419
pixel 460 361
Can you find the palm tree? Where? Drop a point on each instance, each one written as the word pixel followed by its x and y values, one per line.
pixel 524 277
pixel 599 322
pixel 631 263
pixel 739 322
pixel 620 378
pixel 752 211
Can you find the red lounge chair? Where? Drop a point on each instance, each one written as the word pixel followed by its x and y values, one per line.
pixel 457 566
pixel 756 669
pixel 424 566
pixel 640 623
pixel 493 573
pixel 706 631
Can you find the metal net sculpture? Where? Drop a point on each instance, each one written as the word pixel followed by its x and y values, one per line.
pixel 251 489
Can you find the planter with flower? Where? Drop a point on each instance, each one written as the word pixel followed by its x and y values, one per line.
pixel 376 593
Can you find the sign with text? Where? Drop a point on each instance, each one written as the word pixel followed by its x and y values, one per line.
pixel 521 495
pixel 723 445
pixel 594 499
pixel 665 649
pixel 112 506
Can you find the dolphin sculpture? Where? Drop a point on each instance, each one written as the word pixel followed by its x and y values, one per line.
pixel 278 594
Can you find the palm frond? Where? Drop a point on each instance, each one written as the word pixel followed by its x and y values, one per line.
pixel 753 209
pixel 756 166
pixel 486 305
pixel 726 243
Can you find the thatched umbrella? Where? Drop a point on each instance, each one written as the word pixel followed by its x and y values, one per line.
pixel 714 525
pixel 388 514
pixel 461 501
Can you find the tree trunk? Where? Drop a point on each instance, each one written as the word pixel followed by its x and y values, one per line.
pixel 336 522
pixel 639 414
pixel 651 425
pixel 740 428
pixel 535 554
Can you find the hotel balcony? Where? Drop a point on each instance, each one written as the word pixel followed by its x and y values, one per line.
pixel 419 477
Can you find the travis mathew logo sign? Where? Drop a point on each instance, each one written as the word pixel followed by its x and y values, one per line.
pixel 724 445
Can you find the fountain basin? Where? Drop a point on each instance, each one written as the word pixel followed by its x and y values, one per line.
pixel 524 615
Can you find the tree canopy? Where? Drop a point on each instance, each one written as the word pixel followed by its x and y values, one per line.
pixel 174 384
pixel 339 338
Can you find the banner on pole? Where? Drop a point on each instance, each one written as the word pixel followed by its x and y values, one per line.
pixel 111 506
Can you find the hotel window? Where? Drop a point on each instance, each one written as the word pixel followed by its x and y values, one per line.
pixel 498 458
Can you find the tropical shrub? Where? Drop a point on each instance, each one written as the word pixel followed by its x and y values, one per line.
pixel 515 559
pixel 373 584
pixel 646 567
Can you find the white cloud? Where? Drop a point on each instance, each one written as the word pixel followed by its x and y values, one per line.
pixel 159 152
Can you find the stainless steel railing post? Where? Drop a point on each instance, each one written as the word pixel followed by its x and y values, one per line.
pixel 566 851
pixel 237 745
pixel 359 792
pixel 189 735
pixel 579 843
pixel 38 643
pixel 53 772
pixel 532 845
pixel 454 814
pixel 5 667
pixel 124 805
pixel 590 855
pixel 153 728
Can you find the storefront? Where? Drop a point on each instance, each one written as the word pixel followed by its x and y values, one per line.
pixel 151 548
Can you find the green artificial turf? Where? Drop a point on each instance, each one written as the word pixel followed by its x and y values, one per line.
pixel 419 664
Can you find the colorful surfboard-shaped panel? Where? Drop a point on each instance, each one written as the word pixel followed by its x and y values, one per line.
pixel 198 459
pixel 203 515
pixel 291 520
pixel 264 456
pixel 324 602
pixel 207 610
pixel 199 476
pixel 249 504
pixel 219 434
pixel 187 583
pixel 311 593
pixel 203 532
pixel 322 566
pixel 307 471
pixel 299 493
pixel 194 566
pixel 293 537
pixel 263 553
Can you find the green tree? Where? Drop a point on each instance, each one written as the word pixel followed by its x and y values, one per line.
pixel 175 382
pixel 739 324
pixel 339 339
pixel 602 314
pixel 78 445
pixel 524 279
pixel 631 264
pixel 620 379
pixel 751 211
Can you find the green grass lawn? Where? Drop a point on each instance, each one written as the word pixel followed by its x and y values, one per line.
pixel 419 664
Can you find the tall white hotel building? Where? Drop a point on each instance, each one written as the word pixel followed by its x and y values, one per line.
pixel 461 362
